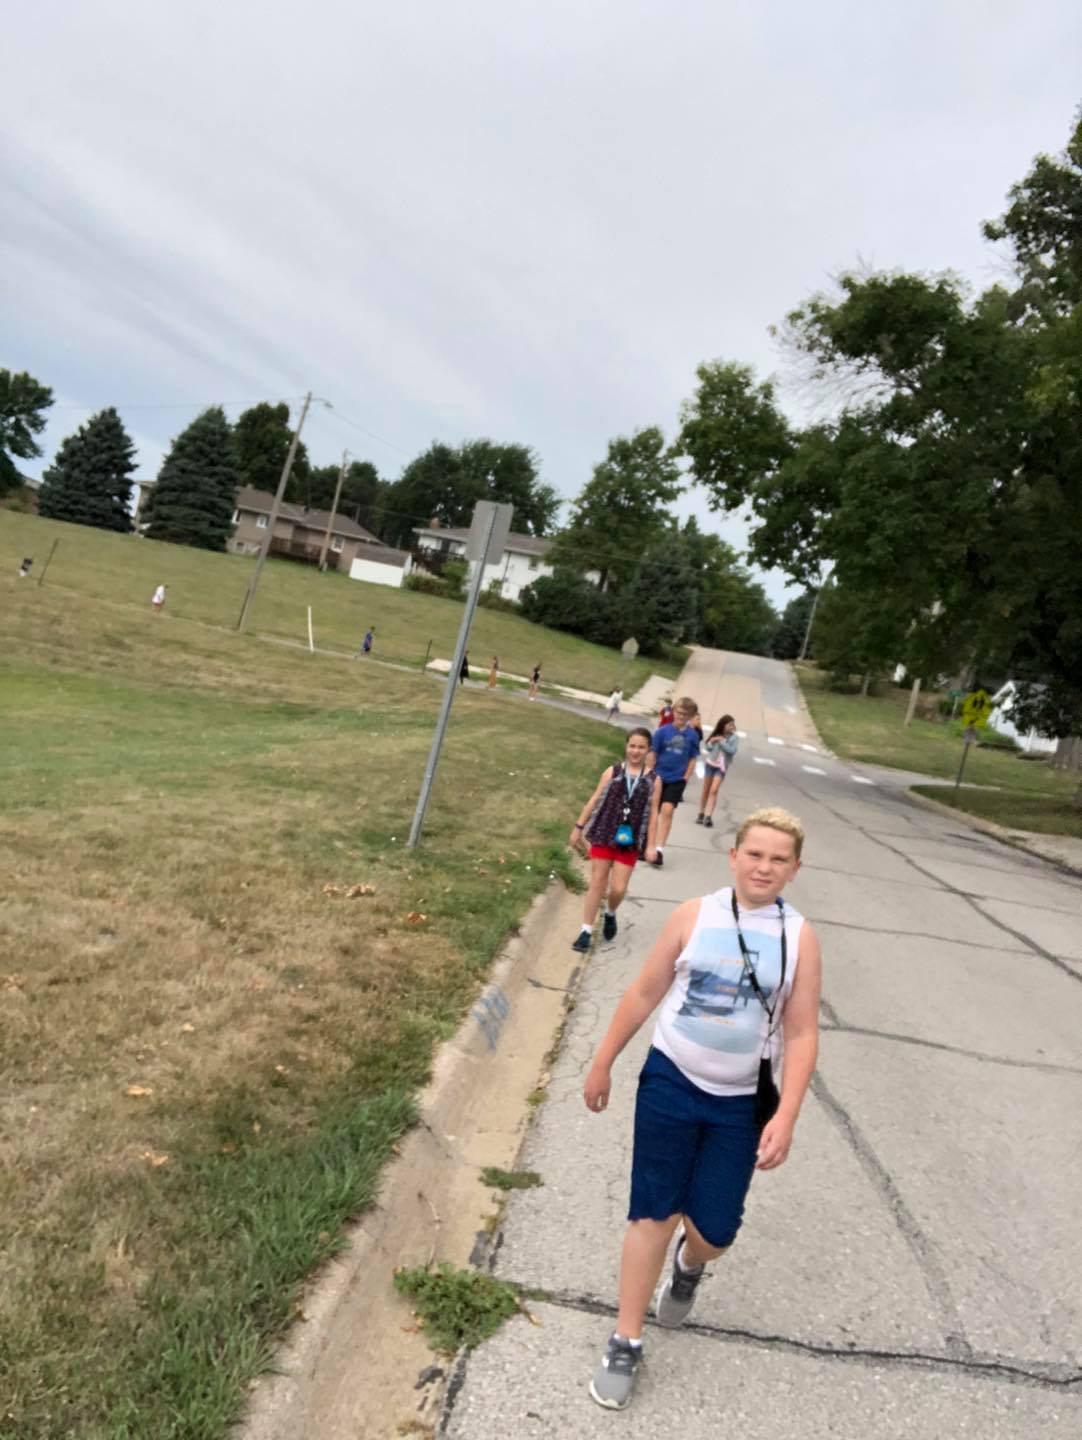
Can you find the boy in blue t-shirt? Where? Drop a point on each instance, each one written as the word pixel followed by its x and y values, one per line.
pixel 675 749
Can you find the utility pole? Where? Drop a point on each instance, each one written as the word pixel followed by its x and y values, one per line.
pixel 334 509
pixel 496 523
pixel 253 583
pixel 811 622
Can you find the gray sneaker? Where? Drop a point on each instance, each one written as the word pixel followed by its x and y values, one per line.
pixel 677 1295
pixel 614 1379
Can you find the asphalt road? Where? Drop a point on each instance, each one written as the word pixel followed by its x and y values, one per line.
pixel 915 1269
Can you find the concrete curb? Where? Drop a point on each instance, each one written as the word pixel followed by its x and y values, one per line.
pixel 356 1365
pixel 1039 846
pixel 803 703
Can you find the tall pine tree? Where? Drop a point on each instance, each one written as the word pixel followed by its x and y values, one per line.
pixel 193 501
pixel 89 482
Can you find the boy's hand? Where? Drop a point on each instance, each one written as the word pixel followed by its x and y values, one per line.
pixel 774 1143
pixel 596 1090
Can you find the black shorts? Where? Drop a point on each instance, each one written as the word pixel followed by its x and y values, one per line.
pixel 672 792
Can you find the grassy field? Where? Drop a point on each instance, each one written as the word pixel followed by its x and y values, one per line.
pixel 125 570
pixel 1028 794
pixel 207 1056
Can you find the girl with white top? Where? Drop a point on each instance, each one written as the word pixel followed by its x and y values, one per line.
pixel 719 750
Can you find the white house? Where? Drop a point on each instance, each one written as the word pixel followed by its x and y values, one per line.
pixel 381 565
pixel 1000 719
pixel 522 561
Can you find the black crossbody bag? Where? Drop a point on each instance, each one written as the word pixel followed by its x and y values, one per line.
pixel 767 1098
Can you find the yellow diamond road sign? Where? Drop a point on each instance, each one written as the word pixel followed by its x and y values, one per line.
pixel 977 708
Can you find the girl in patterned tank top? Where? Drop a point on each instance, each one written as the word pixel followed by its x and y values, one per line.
pixel 619 821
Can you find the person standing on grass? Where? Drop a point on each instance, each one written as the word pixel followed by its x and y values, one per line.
pixel 494 672
pixel 718 754
pixel 737 976
pixel 618 822
pixel 365 647
pixel 535 681
pixel 159 599
pixel 614 704
pixel 464 670
pixel 675 747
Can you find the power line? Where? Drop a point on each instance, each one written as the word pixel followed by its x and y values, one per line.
pixel 185 404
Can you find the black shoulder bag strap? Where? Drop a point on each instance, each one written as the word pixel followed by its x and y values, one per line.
pixel 767 1098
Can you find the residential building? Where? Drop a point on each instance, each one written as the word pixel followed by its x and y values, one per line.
pixel 523 559
pixel 298 533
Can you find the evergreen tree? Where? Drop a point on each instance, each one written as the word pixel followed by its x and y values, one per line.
pixel 89 482
pixel 193 501
pixel 661 602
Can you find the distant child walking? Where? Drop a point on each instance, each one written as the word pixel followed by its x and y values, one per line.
pixel 736 974
pixel 365 647
pixel 494 672
pixel 675 747
pixel 719 751
pixel 614 704
pixel 464 670
pixel 159 599
pixel 618 822
pixel 535 681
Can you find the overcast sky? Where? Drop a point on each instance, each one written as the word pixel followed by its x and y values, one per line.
pixel 523 221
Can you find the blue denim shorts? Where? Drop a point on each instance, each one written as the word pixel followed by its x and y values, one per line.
pixel 694 1152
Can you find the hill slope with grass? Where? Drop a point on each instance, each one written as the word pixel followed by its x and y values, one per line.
pixel 210 1044
pixel 125 570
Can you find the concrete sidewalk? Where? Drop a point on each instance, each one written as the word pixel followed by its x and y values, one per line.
pixel 914 1269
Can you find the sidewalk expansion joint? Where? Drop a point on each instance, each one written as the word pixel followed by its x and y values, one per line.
pixel 837 1026
pixel 1033 1373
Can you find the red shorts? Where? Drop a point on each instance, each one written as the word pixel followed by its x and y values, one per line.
pixel 613 852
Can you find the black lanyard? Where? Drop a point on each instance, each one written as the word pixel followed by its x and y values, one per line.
pixel 749 968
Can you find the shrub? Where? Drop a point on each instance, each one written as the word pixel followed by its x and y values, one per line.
pixel 455 574
pixel 425 583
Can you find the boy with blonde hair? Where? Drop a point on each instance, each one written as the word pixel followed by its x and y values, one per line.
pixel 675 747
pixel 736 974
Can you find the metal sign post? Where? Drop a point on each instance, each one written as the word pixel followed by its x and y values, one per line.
pixel 969 734
pixel 488 536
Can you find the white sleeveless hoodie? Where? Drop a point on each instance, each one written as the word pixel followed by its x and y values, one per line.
pixel 711 1024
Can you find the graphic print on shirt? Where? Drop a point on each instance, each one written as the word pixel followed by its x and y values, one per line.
pixel 720 1008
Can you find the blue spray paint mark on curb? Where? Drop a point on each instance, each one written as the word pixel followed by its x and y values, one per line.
pixel 490 1012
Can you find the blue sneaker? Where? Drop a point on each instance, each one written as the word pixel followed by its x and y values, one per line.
pixel 677 1294
pixel 582 943
pixel 608 927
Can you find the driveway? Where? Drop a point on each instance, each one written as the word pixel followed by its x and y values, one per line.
pixel 916 1268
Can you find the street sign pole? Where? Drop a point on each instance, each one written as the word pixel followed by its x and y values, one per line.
pixel 968 737
pixel 491 523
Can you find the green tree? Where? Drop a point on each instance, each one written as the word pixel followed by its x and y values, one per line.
pixel 194 499
pixel 89 482
pixel 565 600
pixel 261 438
pixel 444 483
pixel 362 491
pixel 621 510
pixel 661 601
pixel 793 626
pixel 23 402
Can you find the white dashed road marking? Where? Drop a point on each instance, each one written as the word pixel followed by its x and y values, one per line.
pixel 743 734
pixel 863 780
pixel 761 760
pixel 812 770
pixel 812 748
pixel 773 740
